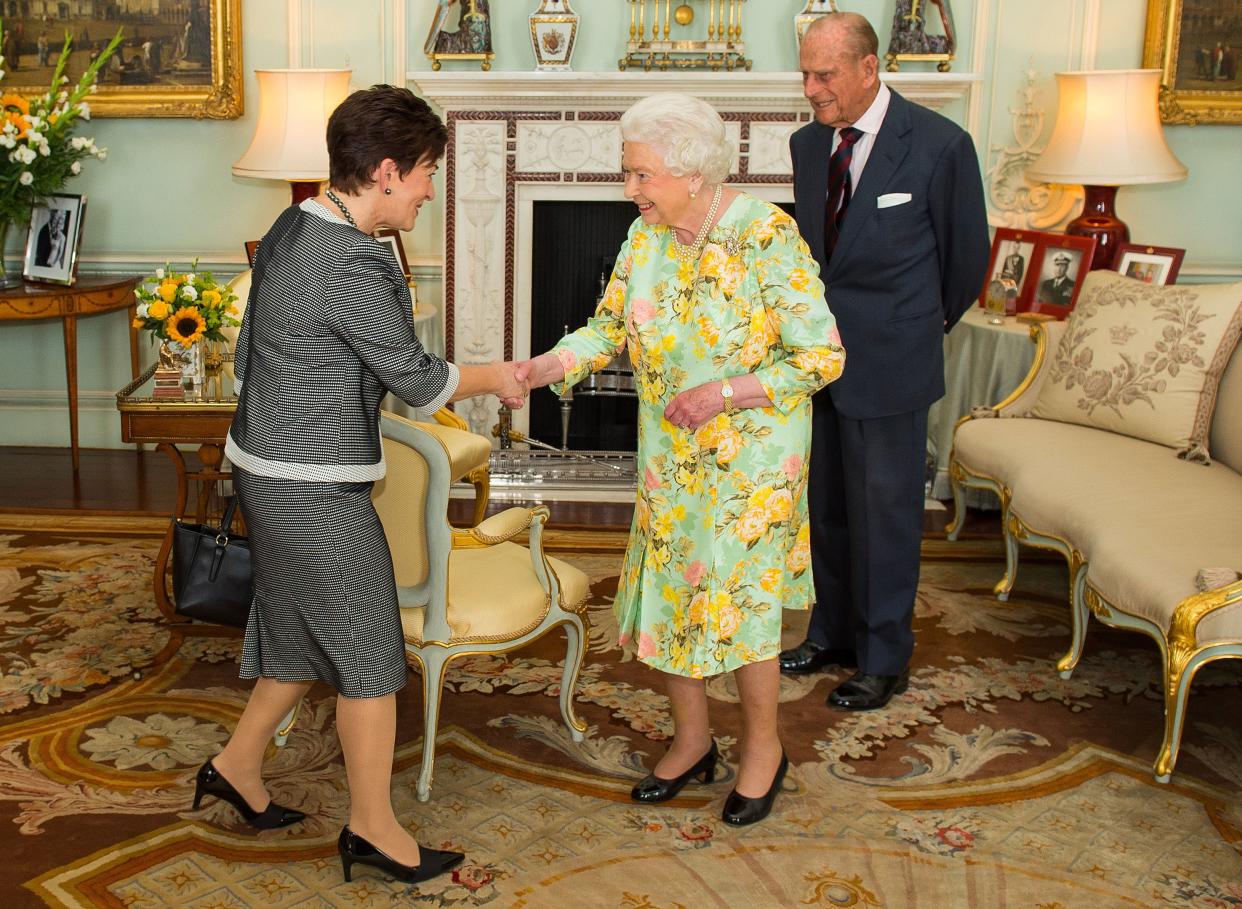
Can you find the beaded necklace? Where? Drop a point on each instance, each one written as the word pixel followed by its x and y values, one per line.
pixel 341 205
pixel 691 252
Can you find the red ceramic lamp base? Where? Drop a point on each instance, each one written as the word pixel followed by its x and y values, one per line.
pixel 1100 221
pixel 303 189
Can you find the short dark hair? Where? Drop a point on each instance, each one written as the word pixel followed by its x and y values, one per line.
pixel 380 122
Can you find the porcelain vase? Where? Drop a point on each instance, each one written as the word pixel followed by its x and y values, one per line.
pixel 553 30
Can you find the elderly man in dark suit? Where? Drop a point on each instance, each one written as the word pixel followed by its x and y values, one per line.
pixel 889 198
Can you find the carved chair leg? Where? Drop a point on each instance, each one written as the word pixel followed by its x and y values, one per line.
pixel 286 725
pixel 1080 616
pixel 1176 688
pixel 434 662
pixel 954 527
pixel 1005 584
pixel 575 651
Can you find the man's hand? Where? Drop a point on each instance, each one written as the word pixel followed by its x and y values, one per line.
pixel 693 407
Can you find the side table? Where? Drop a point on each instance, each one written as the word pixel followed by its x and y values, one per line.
pixel 89 296
pixel 982 364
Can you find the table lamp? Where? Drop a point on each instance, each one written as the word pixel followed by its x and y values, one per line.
pixel 290 136
pixel 1107 134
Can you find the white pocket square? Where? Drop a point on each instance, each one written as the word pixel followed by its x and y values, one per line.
pixel 888 200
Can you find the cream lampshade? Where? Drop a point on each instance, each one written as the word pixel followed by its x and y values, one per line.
pixel 290 136
pixel 1107 134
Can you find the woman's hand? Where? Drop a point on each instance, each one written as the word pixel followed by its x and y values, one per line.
pixel 693 407
pixel 512 390
pixel 540 371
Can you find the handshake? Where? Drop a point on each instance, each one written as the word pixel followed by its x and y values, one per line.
pixel 515 379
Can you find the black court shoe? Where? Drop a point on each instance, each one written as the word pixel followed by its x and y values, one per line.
pixel 211 782
pixel 740 810
pixel 355 850
pixel 656 789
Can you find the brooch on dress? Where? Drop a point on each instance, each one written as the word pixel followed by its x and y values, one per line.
pixel 732 248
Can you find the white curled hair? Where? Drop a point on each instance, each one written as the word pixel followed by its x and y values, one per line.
pixel 686 131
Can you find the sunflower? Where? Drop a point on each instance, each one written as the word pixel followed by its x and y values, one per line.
pixel 16 102
pixel 186 326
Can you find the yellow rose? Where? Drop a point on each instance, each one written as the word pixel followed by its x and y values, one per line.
pixel 712 261
pixel 759 497
pixel 159 309
pixel 730 621
pixel 137 323
pixel 614 297
pixel 770 580
pixel 751 525
pixel 799 557
pixel 698 608
pixel 211 298
pixel 708 434
pixel 753 350
pixel 780 506
pixel 732 275
pixel 168 291
pixel 800 280
pixel 729 446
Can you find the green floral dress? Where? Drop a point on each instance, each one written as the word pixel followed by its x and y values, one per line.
pixel 720 540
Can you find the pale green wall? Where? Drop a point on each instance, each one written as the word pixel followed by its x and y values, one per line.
pixel 166 190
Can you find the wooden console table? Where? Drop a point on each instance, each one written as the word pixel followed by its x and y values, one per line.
pixel 89 296
pixel 202 422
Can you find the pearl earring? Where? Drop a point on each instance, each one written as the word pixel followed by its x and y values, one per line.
pixel 388 190
pixel 694 195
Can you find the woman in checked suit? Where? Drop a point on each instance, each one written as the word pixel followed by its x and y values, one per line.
pixel 327 332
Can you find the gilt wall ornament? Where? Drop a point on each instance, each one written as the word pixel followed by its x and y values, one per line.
pixel 1013 199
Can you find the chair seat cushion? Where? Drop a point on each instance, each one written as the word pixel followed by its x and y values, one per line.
pixel 494 595
pixel 1145 522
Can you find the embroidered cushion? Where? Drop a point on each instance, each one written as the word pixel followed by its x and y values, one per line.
pixel 1144 360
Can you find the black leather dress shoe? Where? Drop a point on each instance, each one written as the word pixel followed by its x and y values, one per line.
pixel 809 657
pixel 740 810
pixel 863 691
pixel 657 789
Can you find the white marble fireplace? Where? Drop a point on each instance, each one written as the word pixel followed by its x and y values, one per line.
pixel 518 138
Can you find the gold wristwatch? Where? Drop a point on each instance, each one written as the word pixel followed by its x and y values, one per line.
pixel 726 392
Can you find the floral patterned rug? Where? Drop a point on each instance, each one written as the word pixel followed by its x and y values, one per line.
pixel 992 782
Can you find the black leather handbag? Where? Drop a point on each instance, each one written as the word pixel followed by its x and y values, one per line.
pixel 211 571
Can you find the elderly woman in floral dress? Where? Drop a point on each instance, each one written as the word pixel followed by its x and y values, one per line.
pixel 719 302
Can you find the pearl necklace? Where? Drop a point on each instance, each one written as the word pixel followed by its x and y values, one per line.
pixel 341 205
pixel 692 252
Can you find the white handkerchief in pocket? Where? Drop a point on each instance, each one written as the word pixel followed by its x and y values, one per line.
pixel 888 200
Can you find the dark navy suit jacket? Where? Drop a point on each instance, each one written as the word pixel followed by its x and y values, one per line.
pixel 900 276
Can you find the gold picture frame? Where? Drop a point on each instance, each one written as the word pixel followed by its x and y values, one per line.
pixel 159 69
pixel 1192 88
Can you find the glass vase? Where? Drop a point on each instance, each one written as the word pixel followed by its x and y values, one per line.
pixel 8 278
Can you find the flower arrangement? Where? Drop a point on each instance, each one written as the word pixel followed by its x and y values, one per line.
pixel 38 151
pixel 185 307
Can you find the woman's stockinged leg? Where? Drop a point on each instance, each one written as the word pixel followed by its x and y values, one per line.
pixel 692 737
pixel 758 687
pixel 241 761
pixel 368 730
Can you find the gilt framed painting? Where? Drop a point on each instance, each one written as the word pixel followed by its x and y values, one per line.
pixel 176 59
pixel 1195 44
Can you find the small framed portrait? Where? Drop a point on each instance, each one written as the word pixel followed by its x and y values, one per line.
pixel 52 244
pixel 391 238
pixel 1149 264
pixel 1062 263
pixel 252 250
pixel 1009 273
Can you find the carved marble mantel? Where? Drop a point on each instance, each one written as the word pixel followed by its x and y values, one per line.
pixel 515 138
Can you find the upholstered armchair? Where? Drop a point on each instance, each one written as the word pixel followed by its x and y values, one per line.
pixel 468 452
pixel 469 592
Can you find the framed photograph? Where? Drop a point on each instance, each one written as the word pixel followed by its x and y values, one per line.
pixel 252 250
pixel 1150 264
pixel 180 59
pixel 1061 263
pixel 1008 287
pixel 52 244
pixel 1195 44
pixel 391 238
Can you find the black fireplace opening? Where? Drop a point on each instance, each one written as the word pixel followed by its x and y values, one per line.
pixel 574 246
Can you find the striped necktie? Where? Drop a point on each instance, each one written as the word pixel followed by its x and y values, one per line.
pixel 839 188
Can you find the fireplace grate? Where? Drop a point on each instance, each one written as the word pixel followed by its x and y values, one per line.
pixel 563 469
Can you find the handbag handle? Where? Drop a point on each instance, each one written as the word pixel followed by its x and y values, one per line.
pixel 226 521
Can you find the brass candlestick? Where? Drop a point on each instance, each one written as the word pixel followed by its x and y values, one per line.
pixel 664 47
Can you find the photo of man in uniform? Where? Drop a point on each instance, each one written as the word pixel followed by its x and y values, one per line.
pixel 1057 285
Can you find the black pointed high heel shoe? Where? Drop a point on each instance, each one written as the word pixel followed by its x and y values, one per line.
pixel 355 850
pixel 211 782
pixel 656 789
pixel 740 810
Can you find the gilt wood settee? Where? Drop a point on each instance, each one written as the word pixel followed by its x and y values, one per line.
pixel 1153 540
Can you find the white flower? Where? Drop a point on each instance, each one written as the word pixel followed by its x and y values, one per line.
pixel 159 741
pixel 78 142
pixel 35 121
pixel 159 273
pixel 23 154
pixel 1 71
pixel 45 149
pixel 75 168
pixel 85 112
pixel 7 141
pixel 188 291
pixel 62 98
pixel 94 88
pixel 189 278
pixel 143 307
pixel 26 178
pixel 101 153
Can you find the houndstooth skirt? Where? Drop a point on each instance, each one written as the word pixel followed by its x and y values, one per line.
pixel 325 600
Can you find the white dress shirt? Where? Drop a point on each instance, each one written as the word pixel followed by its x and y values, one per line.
pixel 869 123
